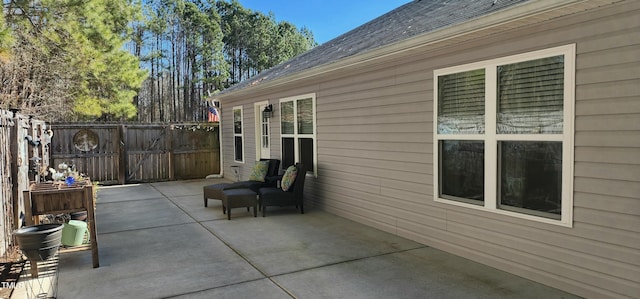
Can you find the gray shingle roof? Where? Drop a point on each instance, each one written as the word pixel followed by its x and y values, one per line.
pixel 409 20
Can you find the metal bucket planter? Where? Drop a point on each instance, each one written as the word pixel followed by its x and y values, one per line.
pixel 39 242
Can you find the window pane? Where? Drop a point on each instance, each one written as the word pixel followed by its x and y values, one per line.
pixel 265 134
pixel 531 177
pixel 305 116
pixel 286 115
pixel 237 121
pixel 461 103
pixel 530 96
pixel 238 148
pixel 288 152
pixel 462 170
pixel 306 152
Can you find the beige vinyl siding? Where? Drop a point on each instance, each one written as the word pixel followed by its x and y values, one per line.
pixel 375 143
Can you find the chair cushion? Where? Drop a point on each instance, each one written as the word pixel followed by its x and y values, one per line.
pixel 259 171
pixel 253 185
pixel 231 193
pixel 288 178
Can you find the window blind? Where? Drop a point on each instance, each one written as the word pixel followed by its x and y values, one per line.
pixel 305 116
pixel 530 96
pixel 286 116
pixel 461 99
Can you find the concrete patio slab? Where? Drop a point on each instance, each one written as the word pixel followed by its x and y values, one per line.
pixel 108 194
pixel 182 188
pixel 291 242
pixel 154 263
pixel 194 206
pixel 418 273
pixel 137 214
pixel 164 243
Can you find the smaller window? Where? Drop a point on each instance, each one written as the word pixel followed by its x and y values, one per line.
pixel 238 138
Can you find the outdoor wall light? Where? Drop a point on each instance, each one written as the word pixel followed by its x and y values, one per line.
pixel 268 111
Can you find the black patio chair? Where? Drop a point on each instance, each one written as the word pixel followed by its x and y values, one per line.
pixel 215 191
pixel 274 196
pixel 270 178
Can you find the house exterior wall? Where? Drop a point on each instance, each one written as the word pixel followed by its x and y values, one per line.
pixel 375 154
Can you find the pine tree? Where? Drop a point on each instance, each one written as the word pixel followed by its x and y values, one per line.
pixel 69 61
pixel 6 40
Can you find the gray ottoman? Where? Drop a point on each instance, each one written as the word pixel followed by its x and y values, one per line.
pixel 239 198
pixel 213 192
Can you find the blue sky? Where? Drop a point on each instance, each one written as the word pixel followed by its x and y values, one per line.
pixel 327 19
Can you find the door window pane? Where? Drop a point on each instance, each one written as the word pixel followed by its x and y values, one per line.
pixel 237 121
pixel 461 103
pixel 531 177
pixel 286 116
pixel 462 170
pixel 265 133
pixel 530 96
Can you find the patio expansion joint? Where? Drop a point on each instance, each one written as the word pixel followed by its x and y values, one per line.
pixel 148 227
pixel 215 288
pixel 98 203
pixel 348 261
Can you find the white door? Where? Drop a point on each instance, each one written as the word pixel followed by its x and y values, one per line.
pixel 263 142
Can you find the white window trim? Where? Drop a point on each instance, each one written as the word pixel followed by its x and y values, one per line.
pixel 241 135
pixel 295 134
pixel 491 138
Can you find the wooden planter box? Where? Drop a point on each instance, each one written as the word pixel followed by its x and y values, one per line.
pixel 47 198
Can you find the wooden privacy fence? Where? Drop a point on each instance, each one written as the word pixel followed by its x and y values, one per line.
pixel 24 151
pixel 125 153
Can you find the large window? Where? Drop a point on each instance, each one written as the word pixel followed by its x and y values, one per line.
pixel 298 131
pixel 504 135
pixel 238 137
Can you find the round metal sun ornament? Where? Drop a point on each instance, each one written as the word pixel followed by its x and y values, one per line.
pixel 85 140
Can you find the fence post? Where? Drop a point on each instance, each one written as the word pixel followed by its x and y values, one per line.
pixel 6 192
pixel 19 165
pixel 122 154
pixel 169 143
